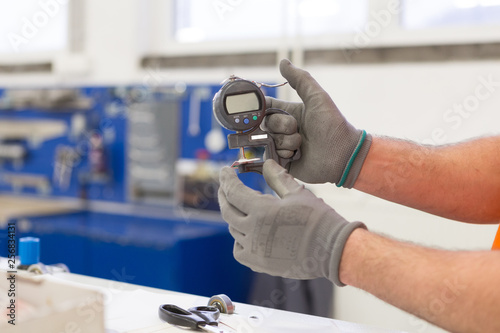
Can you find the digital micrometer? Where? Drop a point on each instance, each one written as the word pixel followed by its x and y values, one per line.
pixel 240 106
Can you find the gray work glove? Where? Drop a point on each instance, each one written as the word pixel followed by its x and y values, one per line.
pixel 295 236
pixel 332 149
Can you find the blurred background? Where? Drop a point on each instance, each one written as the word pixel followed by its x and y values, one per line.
pixel 110 155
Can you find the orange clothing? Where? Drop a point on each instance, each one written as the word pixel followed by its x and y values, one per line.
pixel 496 242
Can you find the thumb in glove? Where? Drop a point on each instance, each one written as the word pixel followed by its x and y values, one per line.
pixel 332 149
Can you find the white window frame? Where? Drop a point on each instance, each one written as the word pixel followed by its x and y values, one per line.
pixel 71 52
pixel 162 40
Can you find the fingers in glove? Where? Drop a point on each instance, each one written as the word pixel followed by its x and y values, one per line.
pixel 238 251
pixel 233 216
pixel 293 108
pixel 238 194
pixel 285 153
pixel 230 214
pixel 287 142
pixel 280 123
pixel 239 245
pixel 238 236
pixel 306 86
pixel 279 179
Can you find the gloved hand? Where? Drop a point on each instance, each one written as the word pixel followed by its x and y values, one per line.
pixel 296 235
pixel 332 149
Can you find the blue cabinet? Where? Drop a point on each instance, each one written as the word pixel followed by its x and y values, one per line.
pixel 192 257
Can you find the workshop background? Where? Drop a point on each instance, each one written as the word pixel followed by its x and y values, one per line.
pixel 110 154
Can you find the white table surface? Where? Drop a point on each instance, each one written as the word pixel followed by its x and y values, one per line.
pixel 132 308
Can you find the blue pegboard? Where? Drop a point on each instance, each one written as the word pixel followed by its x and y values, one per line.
pixel 40 160
pixel 191 256
pixel 113 126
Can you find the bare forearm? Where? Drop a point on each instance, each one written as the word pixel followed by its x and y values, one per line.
pixel 460 182
pixel 454 290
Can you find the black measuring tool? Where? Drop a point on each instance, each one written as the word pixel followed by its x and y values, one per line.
pixel 240 106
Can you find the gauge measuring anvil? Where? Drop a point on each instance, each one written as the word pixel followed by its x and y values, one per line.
pixel 240 106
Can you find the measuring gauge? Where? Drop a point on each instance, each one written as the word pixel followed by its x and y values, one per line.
pixel 240 106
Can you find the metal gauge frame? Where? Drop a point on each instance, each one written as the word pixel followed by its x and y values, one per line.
pixel 240 105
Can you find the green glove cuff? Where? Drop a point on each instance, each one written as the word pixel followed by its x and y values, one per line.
pixel 353 167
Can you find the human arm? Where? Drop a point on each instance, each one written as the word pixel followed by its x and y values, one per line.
pixel 459 181
pixel 297 235
pixel 457 291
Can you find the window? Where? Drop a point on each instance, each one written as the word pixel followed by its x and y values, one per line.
pixel 318 17
pixel 197 32
pixel 420 14
pixel 201 20
pixel 33 26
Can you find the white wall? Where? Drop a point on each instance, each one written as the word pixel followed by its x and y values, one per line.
pixel 403 100
pixel 407 101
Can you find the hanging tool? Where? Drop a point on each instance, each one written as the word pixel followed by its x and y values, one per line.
pixel 240 106
pixel 12 151
pixel 197 97
pixel 66 159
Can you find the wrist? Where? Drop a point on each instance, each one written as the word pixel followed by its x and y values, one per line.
pixel 352 250
pixel 357 162
pixel 339 246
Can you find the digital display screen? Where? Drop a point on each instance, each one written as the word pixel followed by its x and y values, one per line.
pixel 242 103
